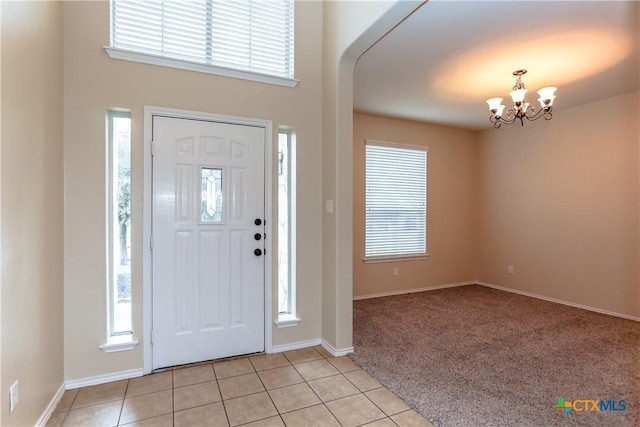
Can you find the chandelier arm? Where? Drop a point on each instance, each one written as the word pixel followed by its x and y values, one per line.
pixel 535 116
pixel 543 112
pixel 499 121
pixel 509 114
pixel 531 112
pixel 495 121
pixel 509 118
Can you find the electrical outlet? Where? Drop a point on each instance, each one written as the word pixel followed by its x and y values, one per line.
pixel 510 269
pixel 13 396
pixel 396 271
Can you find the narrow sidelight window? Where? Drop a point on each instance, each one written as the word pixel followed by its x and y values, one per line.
pixel 286 223
pixel 119 223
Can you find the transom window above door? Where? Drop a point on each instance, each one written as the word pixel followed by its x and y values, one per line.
pixel 246 39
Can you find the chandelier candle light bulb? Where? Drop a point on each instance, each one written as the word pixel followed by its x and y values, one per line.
pixel 521 110
pixel 518 95
pixel 494 104
pixel 546 96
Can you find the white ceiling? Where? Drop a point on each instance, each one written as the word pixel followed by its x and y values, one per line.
pixel 443 62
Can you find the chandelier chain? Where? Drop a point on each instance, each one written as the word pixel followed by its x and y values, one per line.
pixel 519 84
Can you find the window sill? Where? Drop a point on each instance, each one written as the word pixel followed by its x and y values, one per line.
pixel 119 343
pixel 146 58
pixel 287 321
pixel 373 260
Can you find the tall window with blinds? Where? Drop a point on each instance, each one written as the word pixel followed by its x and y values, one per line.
pixel 254 36
pixel 396 201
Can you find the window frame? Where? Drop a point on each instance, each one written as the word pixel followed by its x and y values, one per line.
pixel 289 317
pixel 122 340
pixel 210 68
pixel 391 257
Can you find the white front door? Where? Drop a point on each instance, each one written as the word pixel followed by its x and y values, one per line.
pixel 208 240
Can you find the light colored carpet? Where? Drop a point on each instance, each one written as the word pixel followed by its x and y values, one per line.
pixel 475 356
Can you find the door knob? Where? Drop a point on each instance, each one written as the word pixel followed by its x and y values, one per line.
pixel 257 252
pixel 257 236
pixel 258 221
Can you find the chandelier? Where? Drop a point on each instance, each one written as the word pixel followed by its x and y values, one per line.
pixel 521 110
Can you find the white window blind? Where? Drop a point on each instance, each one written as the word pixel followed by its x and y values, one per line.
pixel 396 200
pixel 255 36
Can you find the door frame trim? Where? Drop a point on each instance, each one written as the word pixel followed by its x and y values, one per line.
pixel 147 265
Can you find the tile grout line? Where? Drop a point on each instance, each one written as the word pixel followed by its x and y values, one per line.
pixel 124 397
pixel 304 382
pixel 335 400
pixel 66 414
pixel 224 407
pixel 360 392
pixel 374 404
pixel 322 402
pixel 278 388
pixel 410 408
pixel 173 399
pixel 339 373
pixel 266 391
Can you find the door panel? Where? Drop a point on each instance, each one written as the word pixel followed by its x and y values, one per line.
pixel 208 285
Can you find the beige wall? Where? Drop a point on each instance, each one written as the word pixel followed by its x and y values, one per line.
pixel 31 207
pixel 93 83
pixel 560 202
pixel 451 206
pixel 350 29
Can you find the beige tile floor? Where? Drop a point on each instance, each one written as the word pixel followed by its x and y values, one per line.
pixel 306 387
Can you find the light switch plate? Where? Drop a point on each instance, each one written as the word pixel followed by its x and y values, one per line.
pixel 328 206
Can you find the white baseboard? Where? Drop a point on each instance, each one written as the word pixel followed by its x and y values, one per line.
pixel 295 345
pixel 336 352
pixel 558 301
pixel 133 373
pixel 312 343
pixel 410 291
pixel 44 419
pixel 101 379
